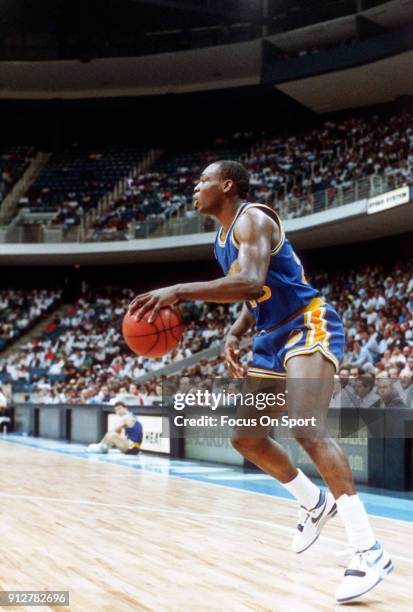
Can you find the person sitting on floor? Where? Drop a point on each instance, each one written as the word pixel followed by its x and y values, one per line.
pixel 127 435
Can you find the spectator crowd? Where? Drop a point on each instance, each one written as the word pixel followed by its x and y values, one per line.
pixel 80 357
pixel 297 173
pixel 21 309
pixel 73 181
pixel 82 353
pixel 300 174
pixel 376 305
pixel 162 191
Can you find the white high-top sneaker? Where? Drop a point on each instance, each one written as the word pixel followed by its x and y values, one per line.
pixel 311 522
pixel 366 569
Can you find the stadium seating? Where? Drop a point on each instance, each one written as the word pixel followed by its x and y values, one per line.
pixel 13 163
pixel 297 174
pixel 166 188
pixel 302 174
pixel 20 310
pixel 86 341
pixel 83 350
pixel 72 182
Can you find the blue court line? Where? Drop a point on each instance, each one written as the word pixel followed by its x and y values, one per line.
pixel 397 506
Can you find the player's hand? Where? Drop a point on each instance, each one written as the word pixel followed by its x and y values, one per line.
pixel 153 300
pixel 232 351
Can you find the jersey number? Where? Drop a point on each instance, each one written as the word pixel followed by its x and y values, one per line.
pixel 266 296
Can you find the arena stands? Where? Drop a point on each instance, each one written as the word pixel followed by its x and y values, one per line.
pixel 343 160
pixel 72 182
pixel 13 163
pixel 82 352
pixel 299 174
pixel 20 310
pixel 165 189
pixel 376 306
pixel 85 346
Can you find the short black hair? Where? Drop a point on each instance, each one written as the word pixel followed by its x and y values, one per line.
pixel 368 380
pixel 119 403
pixel 235 172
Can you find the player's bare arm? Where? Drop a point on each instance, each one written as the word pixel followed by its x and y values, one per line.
pixel 255 232
pixel 243 323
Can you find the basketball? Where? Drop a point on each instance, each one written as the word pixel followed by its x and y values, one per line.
pixel 154 339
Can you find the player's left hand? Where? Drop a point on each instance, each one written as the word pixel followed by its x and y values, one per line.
pixel 153 300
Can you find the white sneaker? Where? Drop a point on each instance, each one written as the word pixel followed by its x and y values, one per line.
pixel 365 571
pixel 100 448
pixel 311 522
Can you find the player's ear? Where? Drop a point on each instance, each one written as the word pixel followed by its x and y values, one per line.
pixel 227 185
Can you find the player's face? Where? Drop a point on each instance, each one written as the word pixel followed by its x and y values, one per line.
pixel 208 193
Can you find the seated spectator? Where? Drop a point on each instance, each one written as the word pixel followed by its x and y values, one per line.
pixel 389 398
pixel 364 387
pixel 126 436
pixel 404 387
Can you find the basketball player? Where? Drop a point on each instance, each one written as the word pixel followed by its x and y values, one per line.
pixel 128 424
pixel 300 337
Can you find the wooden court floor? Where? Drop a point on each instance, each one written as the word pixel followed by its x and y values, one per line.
pixel 121 539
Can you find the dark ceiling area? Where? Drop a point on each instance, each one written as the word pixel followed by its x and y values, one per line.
pixel 86 29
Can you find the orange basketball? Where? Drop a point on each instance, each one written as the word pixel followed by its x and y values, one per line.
pixel 154 339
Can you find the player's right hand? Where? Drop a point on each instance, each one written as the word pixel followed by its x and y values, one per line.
pixel 232 352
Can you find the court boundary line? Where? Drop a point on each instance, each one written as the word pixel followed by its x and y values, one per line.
pixel 179 512
pixel 137 467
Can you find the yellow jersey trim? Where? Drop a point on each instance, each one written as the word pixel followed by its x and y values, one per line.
pixel 222 241
pixel 315 303
pixel 265 370
pixel 252 375
pixel 276 218
pixel 309 351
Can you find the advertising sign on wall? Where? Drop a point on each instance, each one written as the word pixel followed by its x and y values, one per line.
pixel 388 200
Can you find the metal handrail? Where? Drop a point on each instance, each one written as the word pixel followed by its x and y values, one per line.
pixel 187 221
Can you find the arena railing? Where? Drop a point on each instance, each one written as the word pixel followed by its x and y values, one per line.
pixel 187 221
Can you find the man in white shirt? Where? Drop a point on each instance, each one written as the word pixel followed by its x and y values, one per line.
pixel 130 397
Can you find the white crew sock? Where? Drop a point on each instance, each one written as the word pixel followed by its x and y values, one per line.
pixel 356 522
pixel 305 491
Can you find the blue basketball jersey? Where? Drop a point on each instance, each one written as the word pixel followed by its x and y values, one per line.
pixel 135 432
pixel 286 289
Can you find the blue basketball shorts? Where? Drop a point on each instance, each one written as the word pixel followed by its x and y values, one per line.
pixel 315 328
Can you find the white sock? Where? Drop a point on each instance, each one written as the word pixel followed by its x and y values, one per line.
pixel 356 522
pixel 305 491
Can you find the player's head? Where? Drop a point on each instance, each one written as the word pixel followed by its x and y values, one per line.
pixel 120 408
pixel 219 182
